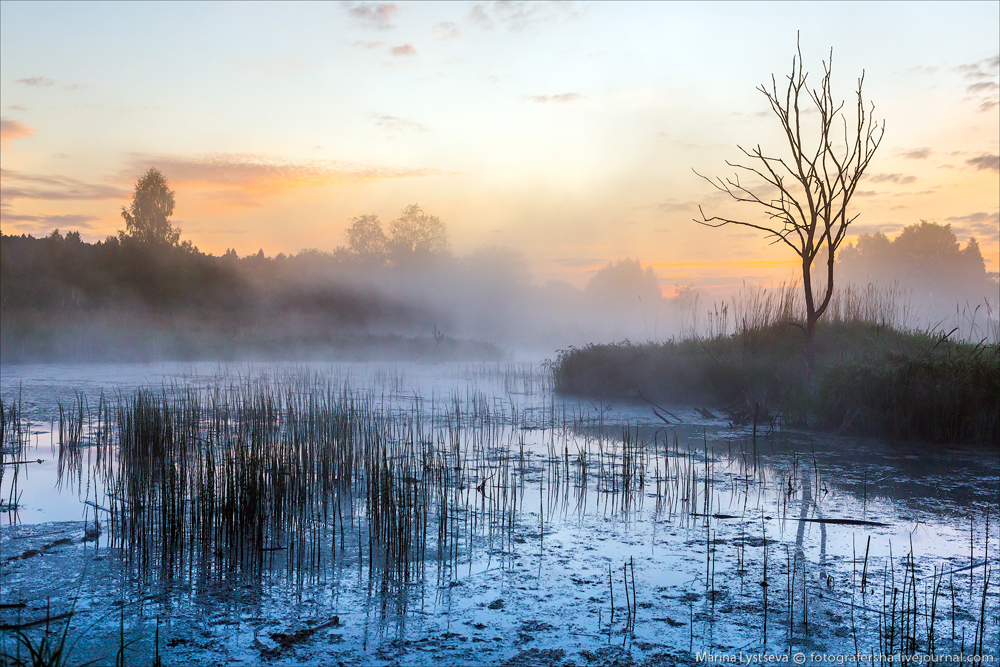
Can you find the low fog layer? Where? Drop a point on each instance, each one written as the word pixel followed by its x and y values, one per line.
pixel 399 291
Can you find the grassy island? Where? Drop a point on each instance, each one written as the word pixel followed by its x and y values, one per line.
pixel 871 377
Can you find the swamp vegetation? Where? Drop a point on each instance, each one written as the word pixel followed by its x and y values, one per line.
pixel 309 514
pixel 873 375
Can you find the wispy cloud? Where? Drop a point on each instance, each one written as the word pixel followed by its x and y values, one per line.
pixel 241 179
pixel 916 153
pixel 980 224
pixel 365 44
pixel 560 98
pixel 988 162
pixel 395 124
pixel 674 206
pixel 984 92
pixel 39 81
pixel 13 129
pixel 32 224
pixel 523 15
pixel 45 82
pixel 979 216
pixel 446 30
pixel 980 69
pixel 19 185
pixel 377 16
pixel 403 50
pixel 983 86
pixel 898 179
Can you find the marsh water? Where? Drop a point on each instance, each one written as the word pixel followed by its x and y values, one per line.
pixel 412 514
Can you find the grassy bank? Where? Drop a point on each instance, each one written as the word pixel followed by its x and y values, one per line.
pixel 870 379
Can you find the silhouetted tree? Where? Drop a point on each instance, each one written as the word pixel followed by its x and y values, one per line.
pixel 806 194
pixel 366 240
pixel 624 283
pixel 147 220
pixel 925 258
pixel 415 235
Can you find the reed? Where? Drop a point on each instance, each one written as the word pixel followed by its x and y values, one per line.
pixel 294 475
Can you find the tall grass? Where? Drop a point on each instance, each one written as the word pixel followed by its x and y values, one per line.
pixel 874 375
pixel 300 476
pixel 15 428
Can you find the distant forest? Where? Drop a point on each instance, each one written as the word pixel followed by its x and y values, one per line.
pixel 146 294
pixel 122 298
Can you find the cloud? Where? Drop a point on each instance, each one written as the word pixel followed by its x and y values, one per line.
pixel 403 50
pixel 36 81
pixel 985 92
pixel 12 129
pixel 899 179
pixel 517 16
pixel 989 162
pixel 241 179
pixel 981 224
pixel 18 185
pixel 395 124
pixel 916 153
pixel 560 98
pixel 980 69
pixel 446 30
pixel 31 224
pixel 673 206
pixel 363 44
pixel 377 16
pixel 18 107
pixel 980 216
pixel 983 86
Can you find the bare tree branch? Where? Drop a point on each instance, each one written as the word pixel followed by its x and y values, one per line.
pixel 810 212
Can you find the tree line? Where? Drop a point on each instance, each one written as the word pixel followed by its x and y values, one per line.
pixel 400 279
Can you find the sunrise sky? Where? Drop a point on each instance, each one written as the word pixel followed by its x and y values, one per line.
pixel 568 131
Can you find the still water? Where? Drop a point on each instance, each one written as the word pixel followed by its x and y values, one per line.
pixel 407 514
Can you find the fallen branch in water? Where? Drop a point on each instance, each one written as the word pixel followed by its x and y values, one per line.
pixel 655 406
pixel 31 624
pixel 96 506
pixel 836 522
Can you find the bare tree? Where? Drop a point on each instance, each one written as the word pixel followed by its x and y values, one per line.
pixel 805 194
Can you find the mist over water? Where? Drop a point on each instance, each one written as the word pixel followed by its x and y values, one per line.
pixel 547 337
pixel 67 300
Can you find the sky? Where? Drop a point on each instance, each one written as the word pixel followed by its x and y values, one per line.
pixel 569 131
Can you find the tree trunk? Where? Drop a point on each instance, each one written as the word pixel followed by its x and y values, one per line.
pixel 811 319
